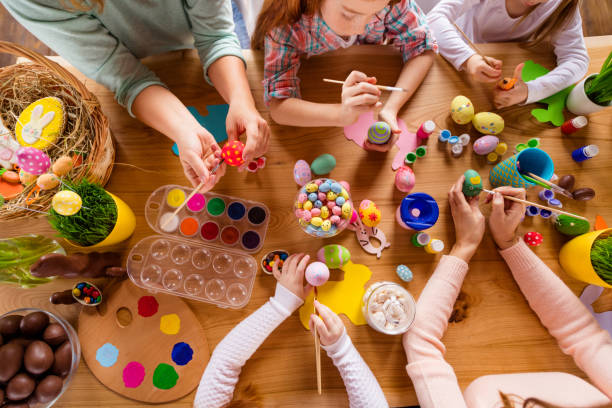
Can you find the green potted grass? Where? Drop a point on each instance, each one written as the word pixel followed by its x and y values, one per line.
pixel 588 257
pixel 594 92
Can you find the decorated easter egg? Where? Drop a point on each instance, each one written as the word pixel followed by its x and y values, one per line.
pixel 323 164
pixel 488 123
pixel 571 226
pixel 347 210
pixel 404 179
pixel 40 123
pixel 62 166
pixel 485 145
pixel 326 225
pixel 33 160
pixel 379 133
pixel 301 172
pixel 47 181
pixel 317 273
pixel 472 185
pixel 462 110
pixel 369 213
pixel 232 153
pixel 533 238
pixel 311 187
pixel 334 256
pixel 66 202
pixel 404 273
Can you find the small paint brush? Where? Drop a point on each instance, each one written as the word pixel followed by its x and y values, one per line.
pixel 381 87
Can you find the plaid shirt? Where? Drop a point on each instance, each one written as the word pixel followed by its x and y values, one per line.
pixel 403 26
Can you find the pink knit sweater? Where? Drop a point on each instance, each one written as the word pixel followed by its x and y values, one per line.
pixel 560 312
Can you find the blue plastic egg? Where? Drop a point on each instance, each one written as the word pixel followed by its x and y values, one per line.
pixel 404 273
pixel 340 201
pixel 318 204
pixel 312 197
pixel 336 188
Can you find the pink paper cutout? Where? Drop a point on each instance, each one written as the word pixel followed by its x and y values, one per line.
pixel 358 133
pixel 589 295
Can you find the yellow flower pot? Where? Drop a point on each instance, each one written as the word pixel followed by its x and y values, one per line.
pixel 575 258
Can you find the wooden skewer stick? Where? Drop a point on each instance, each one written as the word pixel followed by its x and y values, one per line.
pixel 381 87
pixel 474 47
pixel 195 190
pixel 553 209
pixel 317 348
pixel 552 185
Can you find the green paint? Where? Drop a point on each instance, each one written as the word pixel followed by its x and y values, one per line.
pixel 216 206
pixel 165 377
pixel 556 102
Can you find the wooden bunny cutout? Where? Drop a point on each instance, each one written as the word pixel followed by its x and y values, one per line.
pixel 364 236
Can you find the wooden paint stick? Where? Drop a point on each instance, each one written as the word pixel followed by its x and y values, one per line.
pixel 381 87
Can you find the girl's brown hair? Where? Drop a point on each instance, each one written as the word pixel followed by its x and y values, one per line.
pixel 556 22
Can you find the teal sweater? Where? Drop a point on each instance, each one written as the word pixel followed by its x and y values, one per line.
pixel 107 46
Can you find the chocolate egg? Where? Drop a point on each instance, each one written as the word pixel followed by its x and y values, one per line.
pixel 462 110
pixel 49 388
pixel 1 343
pixel 55 334
pixel 11 356
pixel 9 325
pixel 63 359
pixel 34 324
pixel 38 357
pixel 583 194
pixel 488 123
pixel 567 182
pixel 20 387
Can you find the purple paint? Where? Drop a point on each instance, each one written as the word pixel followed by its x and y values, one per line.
pixel 133 374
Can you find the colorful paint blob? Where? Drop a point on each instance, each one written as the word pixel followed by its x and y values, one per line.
pixel 196 203
pixel 147 306
pixel 250 240
pixel 210 231
pixel 257 215
pixel 189 227
pixel 165 377
pixel 175 197
pixel 168 222
pixel 182 353
pixel 133 374
pixel 107 355
pixel 230 235
pixel 236 211
pixel 216 206
pixel 170 324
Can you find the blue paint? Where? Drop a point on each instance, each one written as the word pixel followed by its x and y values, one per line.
pixel 419 211
pixel 214 122
pixel 107 355
pixel 182 353
pixel 175 149
pixel 236 211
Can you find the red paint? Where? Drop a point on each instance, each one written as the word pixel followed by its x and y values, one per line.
pixel 230 235
pixel 147 306
pixel 210 231
pixel 573 125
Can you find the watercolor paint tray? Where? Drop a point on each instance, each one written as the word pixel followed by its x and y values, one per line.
pixel 209 218
pixel 198 271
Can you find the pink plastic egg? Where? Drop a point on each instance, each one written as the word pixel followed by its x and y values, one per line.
pixel 306 216
pixel 301 172
pixel 315 212
pixel 404 179
pixel 32 160
pixel 317 273
pixel 302 198
pixel 334 219
pixel 485 145
pixel 321 196
pixel 337 210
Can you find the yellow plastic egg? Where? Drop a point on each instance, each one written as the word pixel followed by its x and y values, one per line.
pixel 47 181
pixel 40 123
pixel 312 187
pixel 324 212
pixel 308 205
pixel 316 221
pixel 347 210
pixel 331 196
pixel 326 225
pixel 488 123
pixel 344 194
pixel 462 110
pixel 66 202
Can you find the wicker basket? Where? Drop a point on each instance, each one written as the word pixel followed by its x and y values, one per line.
pixel 86 129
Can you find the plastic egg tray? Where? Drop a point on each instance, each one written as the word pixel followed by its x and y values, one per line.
pixel 197 271
pixel 209 218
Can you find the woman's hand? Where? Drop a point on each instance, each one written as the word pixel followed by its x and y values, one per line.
pixel 389 116
pixel 506 215
pixel 244 118
pixel 197 152
pixel 292 274
pixel 469 222
pixel 329 325
pixel 518 94
pixel 481 71
pixel 359 95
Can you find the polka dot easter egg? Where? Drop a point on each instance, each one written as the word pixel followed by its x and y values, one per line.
pixel 462 110
pixel 369 213
pixel 533 238
pixel 40 123
pixel 317 273
pixel 488 123
pixel 66 202
pixel 32 160
pixel 404 273
pixel 301 172
pixel 232 153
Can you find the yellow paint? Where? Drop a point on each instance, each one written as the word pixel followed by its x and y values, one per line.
pixel 475 180
pixel 342 297
pixel 170 324
pixel 175 197
pixel 48 133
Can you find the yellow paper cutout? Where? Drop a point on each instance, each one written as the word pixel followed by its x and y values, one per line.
pixel 40 128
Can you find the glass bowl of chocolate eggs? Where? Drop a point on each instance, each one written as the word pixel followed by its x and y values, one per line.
pixel 388 308
pixel 323 207
pixel 39 354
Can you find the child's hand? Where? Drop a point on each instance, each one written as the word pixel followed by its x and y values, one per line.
pixel 481 71
pixel 242 117
pixel 329 326
pixel 292 274
pixel 211 162
pixel 193 151
pixel 359 95
pixel 518 94
pixel 506 215
pixel 386 115
pixel 469 222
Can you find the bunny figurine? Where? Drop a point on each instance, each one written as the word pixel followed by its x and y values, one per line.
pixel 365 234
pixel 40 123
pixel 8 147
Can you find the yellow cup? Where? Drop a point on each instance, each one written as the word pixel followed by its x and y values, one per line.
pixel 575 258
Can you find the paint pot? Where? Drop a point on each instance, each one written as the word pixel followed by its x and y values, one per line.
pixel 445 134
pixel 456 149
pixel 209 231
pixel 533 143
pixel 257 215
pixel 546 195
pixel 175 197
pixel 196 203
pixel 215 206
pixel 417 211
pixel 532 210
pixel 532 160
pixel 168 222
pixel 421 151
pixel 464 139
pixel 573 125
pixel 189 227
pixel 250 240
pixel 410 158
pixel 553 202
pixel 236 211
pixel 425 130
pixel 420 239
pixel 585 152
pixel 545 214
pixel 435 246
pixel 453 140
pixel 230 235
pixel 492 158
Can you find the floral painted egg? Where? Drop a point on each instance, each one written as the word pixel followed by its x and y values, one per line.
pixel 462 110
pixel 66 202
pixel 40 123
pixel 32 160
pixel 485 145
pixel 301 172
pixel 404 179
pixel 334 256
pixel 317 273
pixel 369 213
pixel 232 153
pixel 472 185
pixel 488 123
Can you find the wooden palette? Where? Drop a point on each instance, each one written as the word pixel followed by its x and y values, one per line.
pixel 141 359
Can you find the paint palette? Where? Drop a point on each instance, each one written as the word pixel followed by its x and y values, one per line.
pixel 198 271
pixel 214 219
pixel 147 348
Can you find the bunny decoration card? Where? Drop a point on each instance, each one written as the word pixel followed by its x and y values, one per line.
pixel 41 123
pixel 8 147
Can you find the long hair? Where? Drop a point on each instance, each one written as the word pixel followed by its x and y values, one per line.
pixel 278 13
pixel 553 24
pixel 514 401
pixel 84 5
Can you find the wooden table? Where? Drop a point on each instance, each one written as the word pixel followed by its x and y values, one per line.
pixel 500 334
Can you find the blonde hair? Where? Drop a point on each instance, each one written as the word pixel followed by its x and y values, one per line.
pixel 556 22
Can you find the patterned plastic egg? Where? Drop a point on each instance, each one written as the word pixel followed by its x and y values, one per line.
pixel 404 273
pixel 311 187
pixel 334 256
pixel 337 210
pixel 485 145
pixel 336 188
pixel 488 123
pixel 66 202
pixel 462 110
pixel 344 194
pixel 306 216
pixel 331 195
pixel 317 273
pixel 308 205
pixel 326 225
pixel 302 198
pixel 301 172
pixel 347 210
pixel 299 212
pixel 316 221
pixel 324 212
pixel 325 187
pixel 232 153
pixel 404 179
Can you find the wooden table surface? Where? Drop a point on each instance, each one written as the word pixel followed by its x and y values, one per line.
pixel 500 333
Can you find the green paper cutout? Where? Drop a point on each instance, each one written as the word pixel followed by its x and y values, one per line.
pixel 556 102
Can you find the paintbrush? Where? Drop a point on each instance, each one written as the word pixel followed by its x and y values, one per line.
pixel 475 48
pixel 381 87
pixel 552 209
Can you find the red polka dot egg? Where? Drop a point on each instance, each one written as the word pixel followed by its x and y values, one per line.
pixel 232 153
pixel 533 238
